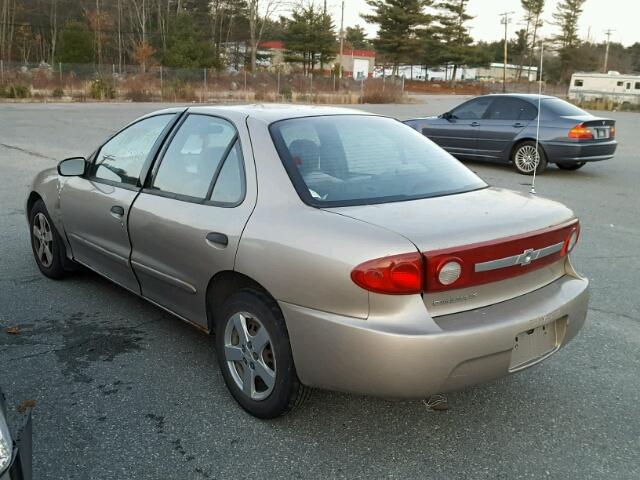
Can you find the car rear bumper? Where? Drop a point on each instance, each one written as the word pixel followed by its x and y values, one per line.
pixel 449 353
pixel 567 152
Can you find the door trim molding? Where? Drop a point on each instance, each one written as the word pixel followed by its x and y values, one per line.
pixel 109 253
pixel 176 282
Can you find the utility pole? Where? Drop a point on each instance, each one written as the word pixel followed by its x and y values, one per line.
pixel 606 51
pixel 341 38
pixel 505 20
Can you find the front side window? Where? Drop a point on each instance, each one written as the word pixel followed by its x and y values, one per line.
pixel 121 158
pixel 357 159
pixel 578 82
pixel 472 110
pixel 637 85
pixel 194 157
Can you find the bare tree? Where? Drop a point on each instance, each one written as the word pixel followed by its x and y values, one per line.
pixel 258 12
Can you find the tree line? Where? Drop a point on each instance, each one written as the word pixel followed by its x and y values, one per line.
pixel 434 33
pixel 225 34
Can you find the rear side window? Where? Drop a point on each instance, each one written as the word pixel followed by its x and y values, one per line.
pixel 230 183
pixel 473 109
pixel 561 108
pixel 121 158
pixel 357 159
pixel 578 82
pixel 195 156
pixel 506 108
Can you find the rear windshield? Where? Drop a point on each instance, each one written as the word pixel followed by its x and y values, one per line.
pixel 562 108
pixel 357 160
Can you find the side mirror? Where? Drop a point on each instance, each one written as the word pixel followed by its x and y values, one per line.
pixel 72 167
pixel 447 115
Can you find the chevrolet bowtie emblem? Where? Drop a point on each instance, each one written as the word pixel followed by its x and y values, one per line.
pixel 523 259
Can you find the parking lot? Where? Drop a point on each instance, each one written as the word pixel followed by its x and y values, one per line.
pixel 125 390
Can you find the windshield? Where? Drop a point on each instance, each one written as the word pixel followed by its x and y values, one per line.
pixel 562 108
pixel 356 160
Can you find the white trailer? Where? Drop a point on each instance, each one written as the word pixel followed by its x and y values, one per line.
pixel 610 86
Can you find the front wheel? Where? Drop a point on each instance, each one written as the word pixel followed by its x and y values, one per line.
pixel 47 246
pixel 254 354
pixel 570 166
pixel 526 158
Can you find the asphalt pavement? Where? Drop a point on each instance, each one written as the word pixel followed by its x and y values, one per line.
pixel 124 390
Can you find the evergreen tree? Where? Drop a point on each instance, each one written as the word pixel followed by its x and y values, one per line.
pixel 401 25
pixel 532 13
pixel 76 44
pixel 454 34
pixel 566 17
pixel 187 46
pixel 310 37
pixel 357 38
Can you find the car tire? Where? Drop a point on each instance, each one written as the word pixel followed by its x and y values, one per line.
pixel 254 355
pixel 523 158
pixel 47 245
pixel 570 166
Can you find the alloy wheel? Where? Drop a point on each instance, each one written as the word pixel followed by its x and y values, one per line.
pixel 527 158
pixel 43 239
pixel 250 357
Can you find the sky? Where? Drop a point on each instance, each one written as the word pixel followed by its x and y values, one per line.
pixel 599 15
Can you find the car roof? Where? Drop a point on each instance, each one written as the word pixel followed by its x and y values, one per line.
pixel 270 113
pixel 524 96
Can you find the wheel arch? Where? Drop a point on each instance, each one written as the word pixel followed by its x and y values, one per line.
pixel 522 140
pixel 224 284
pixel 31 200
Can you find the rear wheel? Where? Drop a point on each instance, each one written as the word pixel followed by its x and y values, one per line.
pixel 254 354
pixel 47 246
pixel 525 158
pixel 570 166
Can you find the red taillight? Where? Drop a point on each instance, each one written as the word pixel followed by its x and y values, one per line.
pixel 467 265
pixel 499 259
pixel 396 274
pixel 571 240
pixel 580 132
pixel 612 133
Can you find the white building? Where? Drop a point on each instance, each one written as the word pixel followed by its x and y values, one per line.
pixel 610 86
pixel 496 72
pixel 419 72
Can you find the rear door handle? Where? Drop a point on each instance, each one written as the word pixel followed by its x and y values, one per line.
pixel 475 124
pixel 518 125
pixel 218 239
pixel 117 211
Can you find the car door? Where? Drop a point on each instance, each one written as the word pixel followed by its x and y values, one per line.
pixel 95 207
pixel 503 121
pixel 456 130
pixel 186 223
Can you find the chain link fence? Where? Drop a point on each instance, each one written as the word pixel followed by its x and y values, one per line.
pixel 78 82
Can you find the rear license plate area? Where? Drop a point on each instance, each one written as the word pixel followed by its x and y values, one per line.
pixel 602 133
pixel 536 344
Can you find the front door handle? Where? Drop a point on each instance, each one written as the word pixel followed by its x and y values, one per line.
pixel 117 211
pixel 475 124
pixel 218 239
pixel 518 125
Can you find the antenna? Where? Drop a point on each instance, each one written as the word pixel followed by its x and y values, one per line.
pixel 533 182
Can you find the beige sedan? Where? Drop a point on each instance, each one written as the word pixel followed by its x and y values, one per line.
pixel 323 247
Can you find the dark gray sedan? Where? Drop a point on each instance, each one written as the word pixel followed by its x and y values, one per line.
pixel 502 128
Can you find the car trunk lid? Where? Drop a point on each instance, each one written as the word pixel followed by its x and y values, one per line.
pixel 503 223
